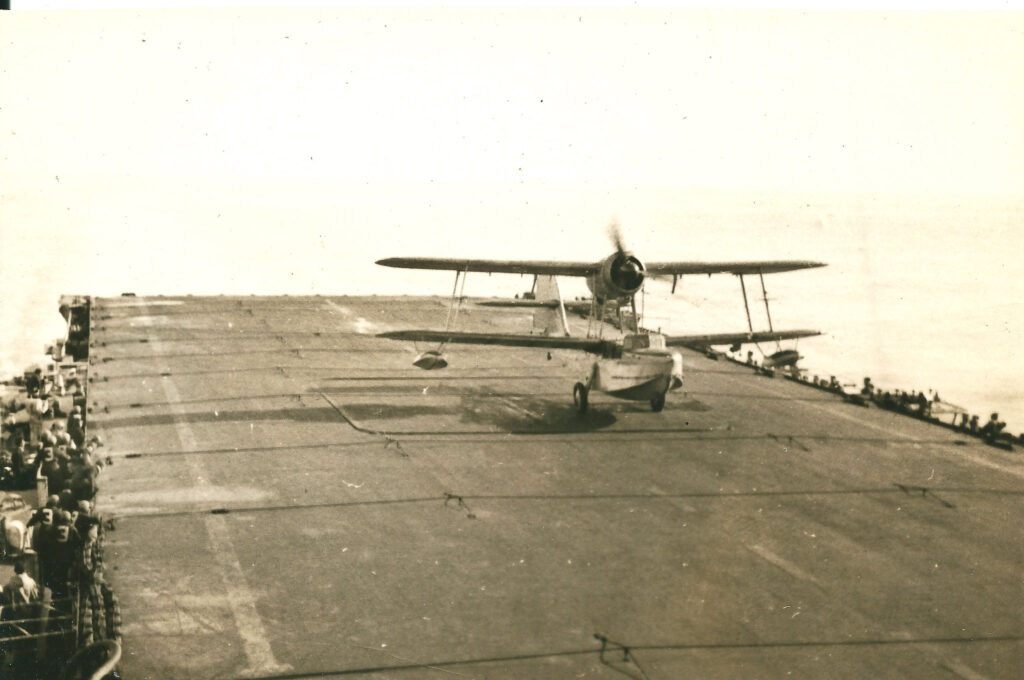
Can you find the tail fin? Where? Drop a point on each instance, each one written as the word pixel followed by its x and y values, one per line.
pixel 550 319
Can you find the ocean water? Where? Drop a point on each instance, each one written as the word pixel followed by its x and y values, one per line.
pixel 920 293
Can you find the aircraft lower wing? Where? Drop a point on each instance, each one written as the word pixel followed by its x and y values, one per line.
pixel 588 344
pixel 709 339
pixel 505 339
pixel 765 267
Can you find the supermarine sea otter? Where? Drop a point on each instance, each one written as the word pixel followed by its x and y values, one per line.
pixel 640 366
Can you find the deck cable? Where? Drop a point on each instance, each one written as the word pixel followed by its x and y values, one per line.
pixel 388 439
pixel 461 500
pixel 684 647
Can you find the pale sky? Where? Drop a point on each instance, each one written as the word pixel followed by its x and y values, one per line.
pixel 202 129
pixel 819 101
pixel 235 134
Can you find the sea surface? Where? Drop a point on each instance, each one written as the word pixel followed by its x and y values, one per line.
pixel 918 295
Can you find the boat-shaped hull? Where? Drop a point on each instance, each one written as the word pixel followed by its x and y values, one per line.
pixel 638 378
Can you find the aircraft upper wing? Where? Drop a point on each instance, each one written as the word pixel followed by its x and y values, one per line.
pixel 494 266
pixel 553 268
pixel 506 339
pixel 709 339
pixel 765 267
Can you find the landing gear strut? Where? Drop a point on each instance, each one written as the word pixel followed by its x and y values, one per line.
pixel 579 397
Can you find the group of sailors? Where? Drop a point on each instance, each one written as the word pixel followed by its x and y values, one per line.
pixel 992 431
pixel 67 543
pixel 50 439
pixel 913 403
pixel 51 444
pixel 919 405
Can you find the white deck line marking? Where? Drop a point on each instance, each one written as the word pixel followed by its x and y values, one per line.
pixel 782 563
pixel 143 303
pixel 976 458
pixel 240 598
pixel 834 412
pixel 855 419
pixel 958 667
pixel 334 305
pixel 973 457
pixel 360 325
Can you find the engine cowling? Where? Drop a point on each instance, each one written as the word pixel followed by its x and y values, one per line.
pixel 620 277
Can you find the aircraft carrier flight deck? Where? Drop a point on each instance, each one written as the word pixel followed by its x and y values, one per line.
pixel 291 498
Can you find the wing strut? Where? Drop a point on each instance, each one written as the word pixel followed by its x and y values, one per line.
pixel 743 286
pixel 451 302
pixel 561 308
pixel 632 306
pixel 767 310
pixel 643 308
pixel 596 317
pixel 456 302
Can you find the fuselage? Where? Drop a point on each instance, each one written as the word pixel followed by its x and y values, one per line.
pixel 643 369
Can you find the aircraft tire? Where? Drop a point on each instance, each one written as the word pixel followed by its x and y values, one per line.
pixel 658 403
pixel 579 397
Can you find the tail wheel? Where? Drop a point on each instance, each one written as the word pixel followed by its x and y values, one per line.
pixel 658 403
pixel 579 397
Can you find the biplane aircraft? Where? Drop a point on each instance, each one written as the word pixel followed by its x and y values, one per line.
pixel 639 367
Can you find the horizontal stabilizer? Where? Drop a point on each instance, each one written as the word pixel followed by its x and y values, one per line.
pixel 710 339
pixel 575 306
pixel 550 304
pixel 504 339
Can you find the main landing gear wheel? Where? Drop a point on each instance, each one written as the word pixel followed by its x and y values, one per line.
pixel 658 403
pixel 579 397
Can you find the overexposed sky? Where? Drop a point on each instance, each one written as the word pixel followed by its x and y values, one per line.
pixel 156 136
pixel 809 101
pixel 267 145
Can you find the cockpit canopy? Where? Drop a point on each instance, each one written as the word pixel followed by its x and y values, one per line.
pixel 640 341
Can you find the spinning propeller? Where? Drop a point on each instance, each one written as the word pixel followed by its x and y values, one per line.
pixel 626 271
